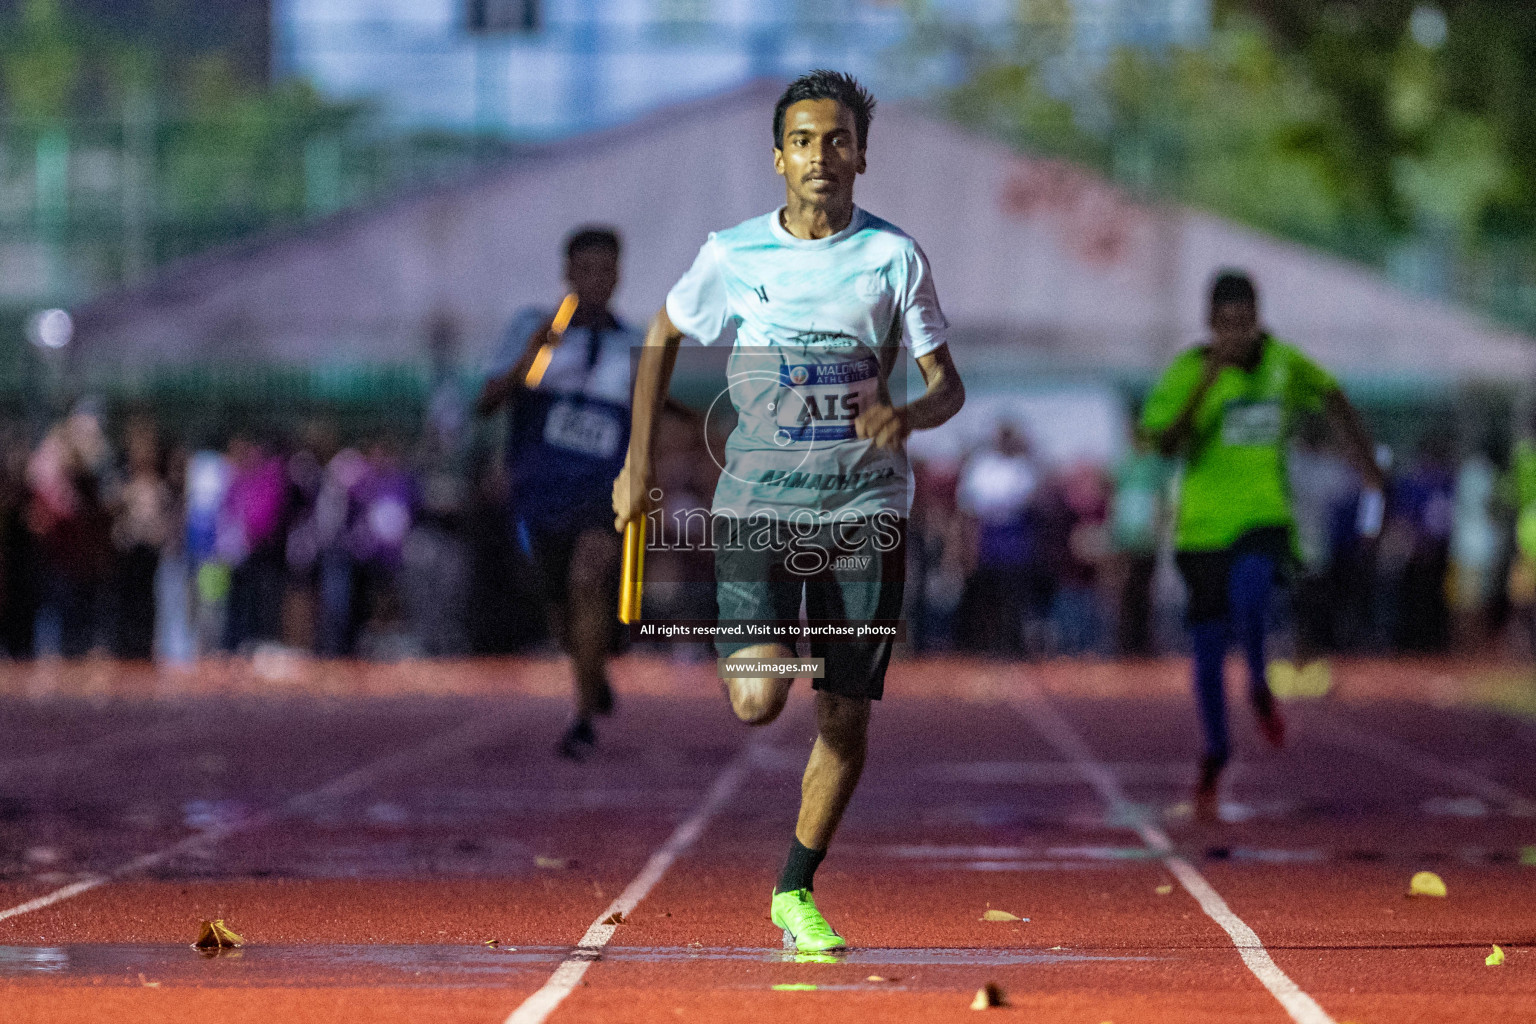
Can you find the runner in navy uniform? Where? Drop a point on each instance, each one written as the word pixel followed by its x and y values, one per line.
pixel 567 433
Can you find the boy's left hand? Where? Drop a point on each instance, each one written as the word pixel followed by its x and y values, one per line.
pixel 883 424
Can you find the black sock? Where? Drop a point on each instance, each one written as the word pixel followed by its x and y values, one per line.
pixel 800 869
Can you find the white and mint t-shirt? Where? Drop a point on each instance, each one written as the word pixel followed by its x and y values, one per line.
pixel 819 326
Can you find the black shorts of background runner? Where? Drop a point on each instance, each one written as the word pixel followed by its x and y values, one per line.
pixel 551 546
pixel 764 584
pixel 1207 574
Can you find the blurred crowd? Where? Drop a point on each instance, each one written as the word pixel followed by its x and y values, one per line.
pixel 132 546
pixel 131 543
pixel 386 545
pixel 1013 556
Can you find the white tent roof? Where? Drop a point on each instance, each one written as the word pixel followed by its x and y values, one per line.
pixel 1038 263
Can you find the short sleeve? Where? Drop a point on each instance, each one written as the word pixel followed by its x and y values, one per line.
pixel 1310 384
pixel 515 340
pixel 1168 396
pixel 923 326
pixel 697 304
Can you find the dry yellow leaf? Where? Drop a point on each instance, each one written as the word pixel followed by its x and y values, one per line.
pixel 1164 890
pixel 1001 915
pixel 1426 883
pixel 617 917
pixel 1496 958
pixel 988 996
pixel 216 935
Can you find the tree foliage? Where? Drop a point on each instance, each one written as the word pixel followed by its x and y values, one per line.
pixel 1346 123
pixel 219 154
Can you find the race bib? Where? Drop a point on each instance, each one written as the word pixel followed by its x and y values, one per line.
pixel 820 401
pixel 1250 424
pixel 582 429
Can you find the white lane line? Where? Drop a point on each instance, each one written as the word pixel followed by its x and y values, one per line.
pixel 537 1007
pixel 57 896
pixel 1395 754
pixel 1032 704
pixel 477 730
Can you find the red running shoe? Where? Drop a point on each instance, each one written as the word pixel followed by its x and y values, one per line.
pixel 1271 724
pixel 1207 802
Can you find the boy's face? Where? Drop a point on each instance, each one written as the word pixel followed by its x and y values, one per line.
pixel 593 274
pixel 819 155
pixel 1235 326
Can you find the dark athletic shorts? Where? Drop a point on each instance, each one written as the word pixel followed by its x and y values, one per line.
pixel 856 575
pixel 551 544
pixel 1208 574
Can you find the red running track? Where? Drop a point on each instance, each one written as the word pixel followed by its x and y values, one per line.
pixel 367 830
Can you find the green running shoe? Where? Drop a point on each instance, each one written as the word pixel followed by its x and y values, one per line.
pixel 795 911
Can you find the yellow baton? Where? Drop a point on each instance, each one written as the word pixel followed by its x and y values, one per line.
pixel 633 577
pixel 556 331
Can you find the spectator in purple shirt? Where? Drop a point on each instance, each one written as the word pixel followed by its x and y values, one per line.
pixel 251 542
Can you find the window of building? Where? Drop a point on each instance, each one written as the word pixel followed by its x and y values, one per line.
pixel 503 15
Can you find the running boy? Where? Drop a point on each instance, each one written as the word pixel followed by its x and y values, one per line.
pixel 822 297
pixel 567 431
pixel 1227 408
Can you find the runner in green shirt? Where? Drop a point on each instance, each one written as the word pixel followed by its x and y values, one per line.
pixel 1226 407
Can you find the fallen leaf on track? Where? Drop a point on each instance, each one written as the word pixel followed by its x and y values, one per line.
pixel 1496 958
pixel 493 943
pixel 617 917
pixel 551 863
pixel 988 996
pixel 1164 890
pixel 146 982
pixel 876 977
pixel 1426 883
pixel 1001 915
pixel 216 935
pixel 794 988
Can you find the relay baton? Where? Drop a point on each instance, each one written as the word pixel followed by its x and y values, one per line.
pixel 633 576
pixel 556 330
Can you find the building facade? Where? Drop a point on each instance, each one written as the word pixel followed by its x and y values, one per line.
pixel 545 68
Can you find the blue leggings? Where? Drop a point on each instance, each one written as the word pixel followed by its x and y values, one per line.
pixel 1250 582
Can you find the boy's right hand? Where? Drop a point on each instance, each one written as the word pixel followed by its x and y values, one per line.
pixel 631 496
